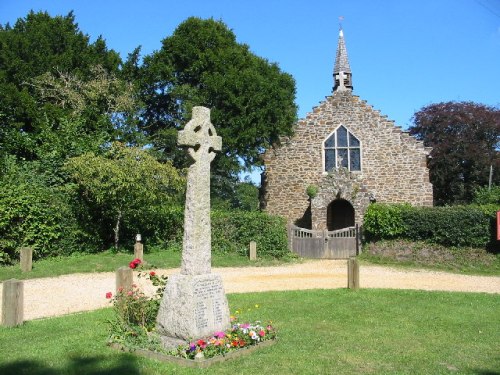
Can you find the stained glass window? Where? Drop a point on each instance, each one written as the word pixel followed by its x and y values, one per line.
pixel 342 149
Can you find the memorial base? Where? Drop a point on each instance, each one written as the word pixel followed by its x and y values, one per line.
pixel 193 306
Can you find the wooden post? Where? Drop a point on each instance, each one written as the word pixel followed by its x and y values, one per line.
pixel 139 251
pixel 26 259
pixel 289 231
pixel 124 279
pixel 353 274
pixel 12 303
pixel 358 240
pixel 253 250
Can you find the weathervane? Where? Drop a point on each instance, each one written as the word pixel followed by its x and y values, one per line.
pixel 341 18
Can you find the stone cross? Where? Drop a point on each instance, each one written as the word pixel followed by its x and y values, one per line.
pixel 202 141
pixel 340 76
pixel 194 303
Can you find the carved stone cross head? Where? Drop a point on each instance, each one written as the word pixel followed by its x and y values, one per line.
pixel 200 136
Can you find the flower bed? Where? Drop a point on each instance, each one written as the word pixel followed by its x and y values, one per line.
pixel 195 362
pixel 133 329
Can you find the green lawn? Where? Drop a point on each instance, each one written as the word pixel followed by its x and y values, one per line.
pixel 320 332
pixel 110 261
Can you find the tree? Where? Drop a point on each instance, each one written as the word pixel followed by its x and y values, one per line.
pixel 251 100
pixel 124 181
pixel 35 46
pixel 464 137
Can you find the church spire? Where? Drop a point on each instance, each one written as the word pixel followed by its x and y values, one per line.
pixel 342 76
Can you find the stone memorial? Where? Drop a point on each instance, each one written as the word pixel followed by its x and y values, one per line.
pixel 194 302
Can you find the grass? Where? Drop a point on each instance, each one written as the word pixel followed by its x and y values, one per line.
pixel 320 332
pixel 402 253
pixel 110 261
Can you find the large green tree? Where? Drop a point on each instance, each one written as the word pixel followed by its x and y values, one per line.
pixel 37 45
pixel 251 100
pixel 464 137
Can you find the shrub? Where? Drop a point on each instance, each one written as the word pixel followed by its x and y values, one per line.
pixel 232 231
pixel 486 196
pixel 40 217
pixel 449 226
pixel 384 221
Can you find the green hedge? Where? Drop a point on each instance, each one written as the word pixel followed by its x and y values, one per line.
pixel 450 226
pixel 232 231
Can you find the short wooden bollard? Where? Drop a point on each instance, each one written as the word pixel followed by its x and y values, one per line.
pixel 124 279
pixel 353 274
pixel 253 250
pixel 26 259
pixel 139 251
pixel 12 303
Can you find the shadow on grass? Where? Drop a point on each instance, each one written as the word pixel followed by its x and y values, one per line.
pixel 123 364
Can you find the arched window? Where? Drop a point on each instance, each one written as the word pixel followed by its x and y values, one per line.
pixel 342 149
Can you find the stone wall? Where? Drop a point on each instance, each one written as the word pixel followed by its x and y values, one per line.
pixel 393 164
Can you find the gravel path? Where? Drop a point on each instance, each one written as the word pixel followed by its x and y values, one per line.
pixel 61 295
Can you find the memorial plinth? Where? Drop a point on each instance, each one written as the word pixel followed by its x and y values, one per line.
pixel 194 303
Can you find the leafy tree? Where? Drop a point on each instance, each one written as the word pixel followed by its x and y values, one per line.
pixel 124 181
pixel 251 100
pixel 464 137
pixel 38 45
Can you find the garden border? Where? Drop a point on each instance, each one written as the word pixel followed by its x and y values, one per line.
pixel 196 363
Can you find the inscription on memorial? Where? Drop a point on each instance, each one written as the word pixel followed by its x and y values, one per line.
pixel 200 315
pixel 208 294
pixel 207 289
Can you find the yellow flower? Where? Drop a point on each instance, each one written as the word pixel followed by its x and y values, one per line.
pixel 257 306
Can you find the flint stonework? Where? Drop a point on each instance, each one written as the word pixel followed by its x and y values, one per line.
pixel 194 302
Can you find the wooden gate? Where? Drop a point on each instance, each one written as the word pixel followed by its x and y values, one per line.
pixel 324 244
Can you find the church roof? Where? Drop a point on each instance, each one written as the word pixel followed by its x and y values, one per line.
pixel 341 60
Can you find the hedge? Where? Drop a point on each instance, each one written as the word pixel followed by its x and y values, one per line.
pixel 449 226
pixel 232 231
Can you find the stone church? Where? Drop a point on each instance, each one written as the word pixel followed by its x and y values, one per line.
pixel 343 156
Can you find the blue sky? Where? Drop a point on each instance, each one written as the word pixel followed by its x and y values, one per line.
pixel 403 54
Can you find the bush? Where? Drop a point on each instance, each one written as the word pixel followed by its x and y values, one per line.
pixel 485 196
pixel 384 221
pixel 40 217
pixel 232 231
pixel 449 226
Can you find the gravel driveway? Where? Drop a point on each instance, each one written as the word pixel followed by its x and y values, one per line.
pixel 61 295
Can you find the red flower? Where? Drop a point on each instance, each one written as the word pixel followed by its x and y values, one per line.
pixel 201 343
pixel 109 295
pixel 134 263
pixel 152 274
pixel 262 333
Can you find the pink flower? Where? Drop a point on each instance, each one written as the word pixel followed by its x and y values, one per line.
pixel 129 293
pixel 220 335
pixel 109 295
pixel 262 333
